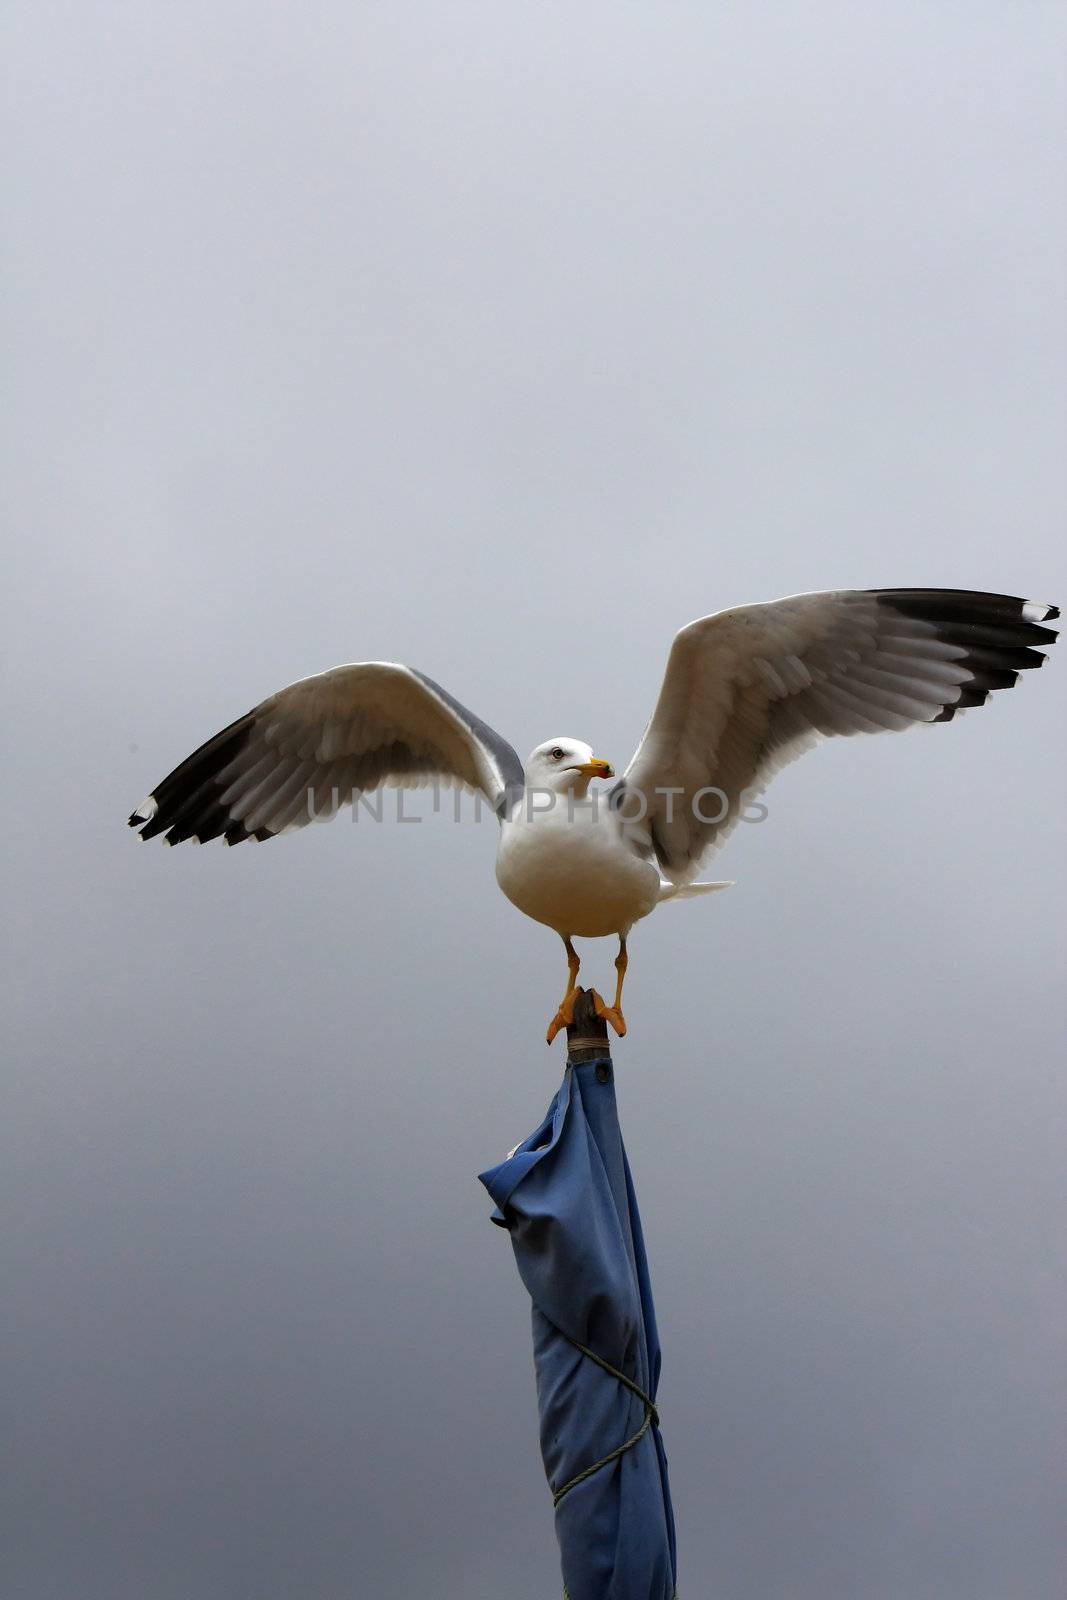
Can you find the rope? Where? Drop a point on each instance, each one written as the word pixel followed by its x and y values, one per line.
pixel 651 1419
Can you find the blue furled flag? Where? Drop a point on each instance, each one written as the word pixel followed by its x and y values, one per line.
pixel 566 1197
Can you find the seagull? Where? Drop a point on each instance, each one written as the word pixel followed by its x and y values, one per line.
pixel 745 692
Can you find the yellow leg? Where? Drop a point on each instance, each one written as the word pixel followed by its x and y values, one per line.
pixel 565 1015
pixel 613 1013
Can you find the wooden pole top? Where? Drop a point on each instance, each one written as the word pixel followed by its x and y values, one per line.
pixel 585 1027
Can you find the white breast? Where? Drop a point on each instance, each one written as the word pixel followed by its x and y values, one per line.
pixel 571 868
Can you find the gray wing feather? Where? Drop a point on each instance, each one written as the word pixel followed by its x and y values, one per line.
pixel 747 691
pixel 319 744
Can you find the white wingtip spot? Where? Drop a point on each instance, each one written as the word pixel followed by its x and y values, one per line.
pixel 1035 611
pixel 146 810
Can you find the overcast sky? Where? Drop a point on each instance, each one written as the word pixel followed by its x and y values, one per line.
pixel 504 339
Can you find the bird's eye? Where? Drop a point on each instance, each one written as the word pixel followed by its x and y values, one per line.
pixel 556 754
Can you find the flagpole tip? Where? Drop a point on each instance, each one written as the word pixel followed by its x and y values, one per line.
pixel 587 1035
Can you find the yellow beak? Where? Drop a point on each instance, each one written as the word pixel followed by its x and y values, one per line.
pixel 596 768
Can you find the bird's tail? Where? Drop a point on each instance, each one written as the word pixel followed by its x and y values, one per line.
pixel 688 891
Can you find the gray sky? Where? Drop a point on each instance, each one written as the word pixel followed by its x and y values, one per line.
pixel 504 340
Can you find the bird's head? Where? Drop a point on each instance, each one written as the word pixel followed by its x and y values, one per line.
pixel 565 764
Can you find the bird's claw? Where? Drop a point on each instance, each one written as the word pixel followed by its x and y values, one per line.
pixel 564 1016
pixel 612 1014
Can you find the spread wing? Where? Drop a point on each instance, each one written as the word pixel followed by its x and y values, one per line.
pixel 319 744
pixel 746 691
